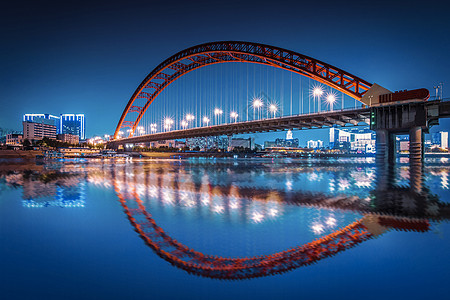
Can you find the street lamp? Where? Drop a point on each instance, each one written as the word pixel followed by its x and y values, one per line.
pixel 257 104
pixel 317 93
pixel 184 124
pixel 206 120
pixel 273 109
pixel 234 115
pixel 331 98
pixel 130 131
pixel 190 117
pixel 217 113
pixel 140 130
pixel 168 123
pixel 153 127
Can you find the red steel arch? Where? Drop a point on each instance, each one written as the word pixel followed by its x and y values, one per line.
pixel 232 51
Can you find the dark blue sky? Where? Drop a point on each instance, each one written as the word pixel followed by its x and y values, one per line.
pixel 62 57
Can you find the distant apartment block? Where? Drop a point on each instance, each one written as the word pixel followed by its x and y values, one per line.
pixel 206 143
pixel 69 138
pixel 440 139
pixel 163 143
pixel 288 142
pixel 241 142
pixel 314 144
pixel 37 131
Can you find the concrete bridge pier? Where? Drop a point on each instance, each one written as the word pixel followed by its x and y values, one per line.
pixel 385 147
pixel 416 156
pixel 385 158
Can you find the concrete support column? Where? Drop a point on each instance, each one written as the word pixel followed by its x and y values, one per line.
pixel 415 145
pixel 381 146
pixel 392 146
pixel 385 158
pixel 416 159
pixel 385 147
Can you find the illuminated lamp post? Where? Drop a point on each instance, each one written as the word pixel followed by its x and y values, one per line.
pixel 190 117
pixel 331 99
pixel 273 109
pixel 168 122
pixel 217 113
pixel 317 93
pixel 257 104
pixel 206 120
pixel 234 115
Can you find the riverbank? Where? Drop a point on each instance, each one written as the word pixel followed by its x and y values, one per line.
pixel 31 154
pixel 25 154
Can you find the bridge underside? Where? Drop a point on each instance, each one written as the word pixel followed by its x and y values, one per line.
pixel 318 120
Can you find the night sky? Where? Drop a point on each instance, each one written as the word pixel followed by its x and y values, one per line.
pixel 63 57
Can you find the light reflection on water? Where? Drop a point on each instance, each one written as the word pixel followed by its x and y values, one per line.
pixel 247 218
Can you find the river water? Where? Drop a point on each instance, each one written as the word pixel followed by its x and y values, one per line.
pixel 222 229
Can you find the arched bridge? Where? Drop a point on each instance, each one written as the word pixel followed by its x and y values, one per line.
pixel 206 54
pixel 404 112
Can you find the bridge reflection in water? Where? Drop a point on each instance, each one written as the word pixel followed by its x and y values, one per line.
pixel 380 204
pixel 386 207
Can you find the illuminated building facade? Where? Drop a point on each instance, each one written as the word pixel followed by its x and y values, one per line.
pixel 73 124
pixel 38 131
pixel 314 144
pixel 206 143
pixel 440 139
pixel 65 124
pixel 353 139
pixel 288 142
pixel 42 118
pixel 69 138
pixel 14 139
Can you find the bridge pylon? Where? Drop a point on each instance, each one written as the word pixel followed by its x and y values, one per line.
pixel 413 119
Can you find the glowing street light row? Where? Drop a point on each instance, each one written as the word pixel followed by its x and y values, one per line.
pixel 317 93
pixel 257 105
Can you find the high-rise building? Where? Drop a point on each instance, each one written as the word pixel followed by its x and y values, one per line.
pixel 440 139
pixel 65 124
pixel 43 118
pixel 73 124
pixel 37 131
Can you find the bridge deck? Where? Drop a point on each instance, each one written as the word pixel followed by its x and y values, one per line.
pixel 433 111
pixel 316 120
